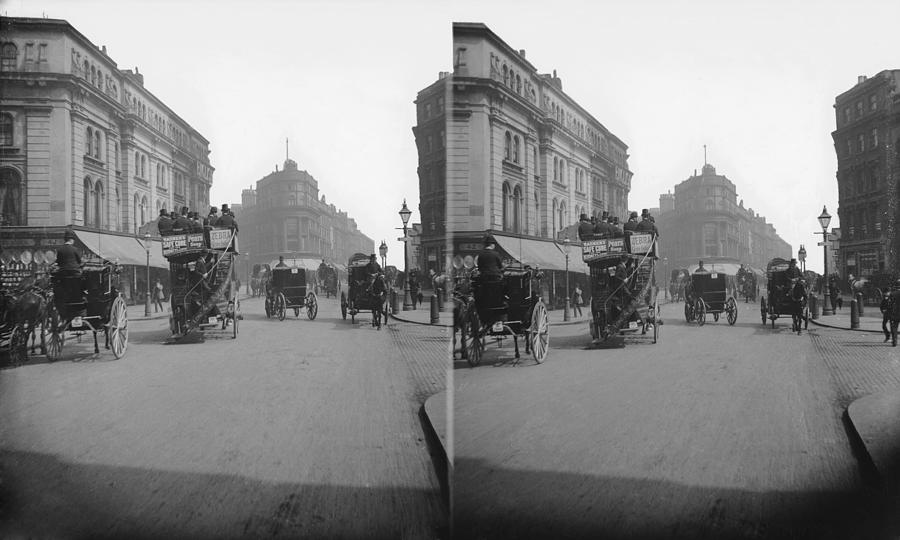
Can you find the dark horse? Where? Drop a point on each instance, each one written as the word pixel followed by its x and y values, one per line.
pixel 27 307
pixel 463 301
pixel 377 291
pixel 798 294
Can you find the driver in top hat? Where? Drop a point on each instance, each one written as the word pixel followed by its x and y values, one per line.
pixel 68 259
pixel 488 261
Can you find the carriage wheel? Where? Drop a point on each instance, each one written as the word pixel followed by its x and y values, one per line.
pixel 312 306
pixel 18 346
pixel 343 306
pixel 762 309
pixel 473 342
pixel 118 327
pixel 280 306
pixel 732 310
pixel 539 333
pixel 56 336
pixel 700 312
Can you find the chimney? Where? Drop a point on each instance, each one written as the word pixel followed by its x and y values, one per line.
pixel 104 49
pixel 861 79
pixel 522 53
pixel 443 74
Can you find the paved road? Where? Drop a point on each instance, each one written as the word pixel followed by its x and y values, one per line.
pixel 296 429
pixel 715 432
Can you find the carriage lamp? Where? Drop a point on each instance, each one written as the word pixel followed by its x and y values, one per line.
pixel 404 215
pixel 824 220
pixel 147 296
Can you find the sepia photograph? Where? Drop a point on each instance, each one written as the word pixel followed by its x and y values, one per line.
pixel 387 269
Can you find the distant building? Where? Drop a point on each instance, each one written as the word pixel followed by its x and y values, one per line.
pixel 284 215
pixel 503 148
pixel 84 144
pixel 704 220
pixel 867 144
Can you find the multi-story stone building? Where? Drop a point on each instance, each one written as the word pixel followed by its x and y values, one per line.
pixel 866 142
pixel 703 219
pixel 284 215
pixel 503 148
pixel 85 144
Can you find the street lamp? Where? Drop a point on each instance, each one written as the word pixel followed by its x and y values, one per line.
pixel 382 249
pixel 824 219
pixel 147 299
pixel 801 254
pixel 565 251
pixel 404 215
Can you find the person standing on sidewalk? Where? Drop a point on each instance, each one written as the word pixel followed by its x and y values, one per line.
pixel 158 297
pixel 577 301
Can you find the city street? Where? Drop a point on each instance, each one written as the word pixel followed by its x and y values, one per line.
pixel 714 432
pixel 296 429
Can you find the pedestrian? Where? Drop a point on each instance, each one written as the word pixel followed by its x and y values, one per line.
pixel 158 297
pixel 577 301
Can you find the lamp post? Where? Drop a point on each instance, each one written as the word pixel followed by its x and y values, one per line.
pixel 801 254
pixel 147 298
pixel 568 310
pixel 382 249
pixel 404 215
pixel 824 219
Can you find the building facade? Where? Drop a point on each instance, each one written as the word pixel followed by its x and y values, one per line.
pixel 503 148
pixel 866 142
pixel 284 215
pixel 703 219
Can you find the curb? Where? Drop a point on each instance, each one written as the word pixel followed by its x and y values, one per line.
pixel 401 319
pixel 817 323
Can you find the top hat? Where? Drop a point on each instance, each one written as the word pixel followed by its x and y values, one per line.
pixel 633 215
pixel 213 210
pixel 162 212
pixel 224 206
pixel 69 235
pixel 583 217
pixel 488 240
pixel 605 214
pixel 645 212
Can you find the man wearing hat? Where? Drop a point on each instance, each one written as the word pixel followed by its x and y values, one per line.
pixel 373 267
pixel 490 266
pixel 602 228
pixel 890 306
pixel 585 228
pixel 212 219
pixel 182 224
pixel 701 269
pixel 68 259
pixel 614 230
pixel 227 219
pixel 165 223
pixel 632 223
pixel 646 225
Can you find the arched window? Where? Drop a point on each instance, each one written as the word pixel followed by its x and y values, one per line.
pixel 11 197
pixel 89 141
pixel 517 210
pixel 87 198
pixel 143 166
pixel 97 144
pixel 144 210
pixel 6 129
pixel 506 210
pixel 506 144
pixel 9 57
pixel 555 169
pixel 99 199
pixel 562 172
pixel 137 164
pixel 562 216
pixel 516 149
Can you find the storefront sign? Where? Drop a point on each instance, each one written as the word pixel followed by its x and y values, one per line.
pixel 178 243
pixel 219 238
pixel 594 249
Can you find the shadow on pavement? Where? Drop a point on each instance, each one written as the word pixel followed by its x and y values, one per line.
pixel 42 496
pixel 497 503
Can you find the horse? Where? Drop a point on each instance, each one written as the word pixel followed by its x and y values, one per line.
pixel 463 301
pixel 798 295
pixel 28 308
pixel 377 291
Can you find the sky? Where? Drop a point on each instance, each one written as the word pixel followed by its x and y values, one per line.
pixel 754 81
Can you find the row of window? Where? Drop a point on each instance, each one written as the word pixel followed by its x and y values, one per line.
pixel 858 182
pixel 862 224
pixel 93 143
pixel 862 142
pixel 6 129
pixel 514 81
pixel 429 110
pixel 35 53
pixel 511 147
pixel 870 104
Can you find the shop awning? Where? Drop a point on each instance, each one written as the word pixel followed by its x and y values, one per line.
pixel 311 265
pixel 542 253
pixel 122 249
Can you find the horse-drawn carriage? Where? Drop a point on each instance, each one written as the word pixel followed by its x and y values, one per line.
pixel 203 281
pixel 365 291
pixel 746 285
pixel 623 292
pixel 499 308
pixel 84 303
pixel 708 295
pixel 787 297
pixel 287 289
pixel 678 281
pixel 258 279
pixel 327 277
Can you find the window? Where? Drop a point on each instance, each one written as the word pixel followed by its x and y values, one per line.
pixel 428 110
pixel 518 84
pixel 6 129
pixel 460 56
pixel 874 137
pixel 97 144
pixel 89 139
pixel 517 210
pixel 507 196
pixel 507 142
pixel 859 108
pixel 562 172
pixel 87 199
pixel 98 205
pixel 145 209
pixel 555 169
pixel 849 147
pixel 9 55
pixel 116 151
pixel 143 166
pixel 562 216
pixel 11 197
pixel 292 234
pixel 873 102
pixel 516 149
pixel 860 143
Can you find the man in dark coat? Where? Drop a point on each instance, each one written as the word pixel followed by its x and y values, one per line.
pixel 602 228
pixel 631 224
pixel 165 223
pixel 212 219
pixel 614 230
pixel 490 266
pixel 373 267
pixel 182 224
pixel 281 263
pixel 68 259
pixel 227 220
pixel 646 225
pixel 585 228
pixel 700 269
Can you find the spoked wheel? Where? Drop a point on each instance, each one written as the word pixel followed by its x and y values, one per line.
pixel 18 346
pixel 344 306
pixel 473 341
pixel 700 312
pixel 118 327
pixel 56 336
pixel 312 306
pixel 280 306
pixel 731 311
pixel 539 333
pixel 762 309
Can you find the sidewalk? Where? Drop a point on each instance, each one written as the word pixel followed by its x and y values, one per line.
pixel 869 322
pixel 422 315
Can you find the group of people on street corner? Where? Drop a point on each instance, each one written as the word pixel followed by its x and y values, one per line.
pixel 189 221
pixel 607 226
